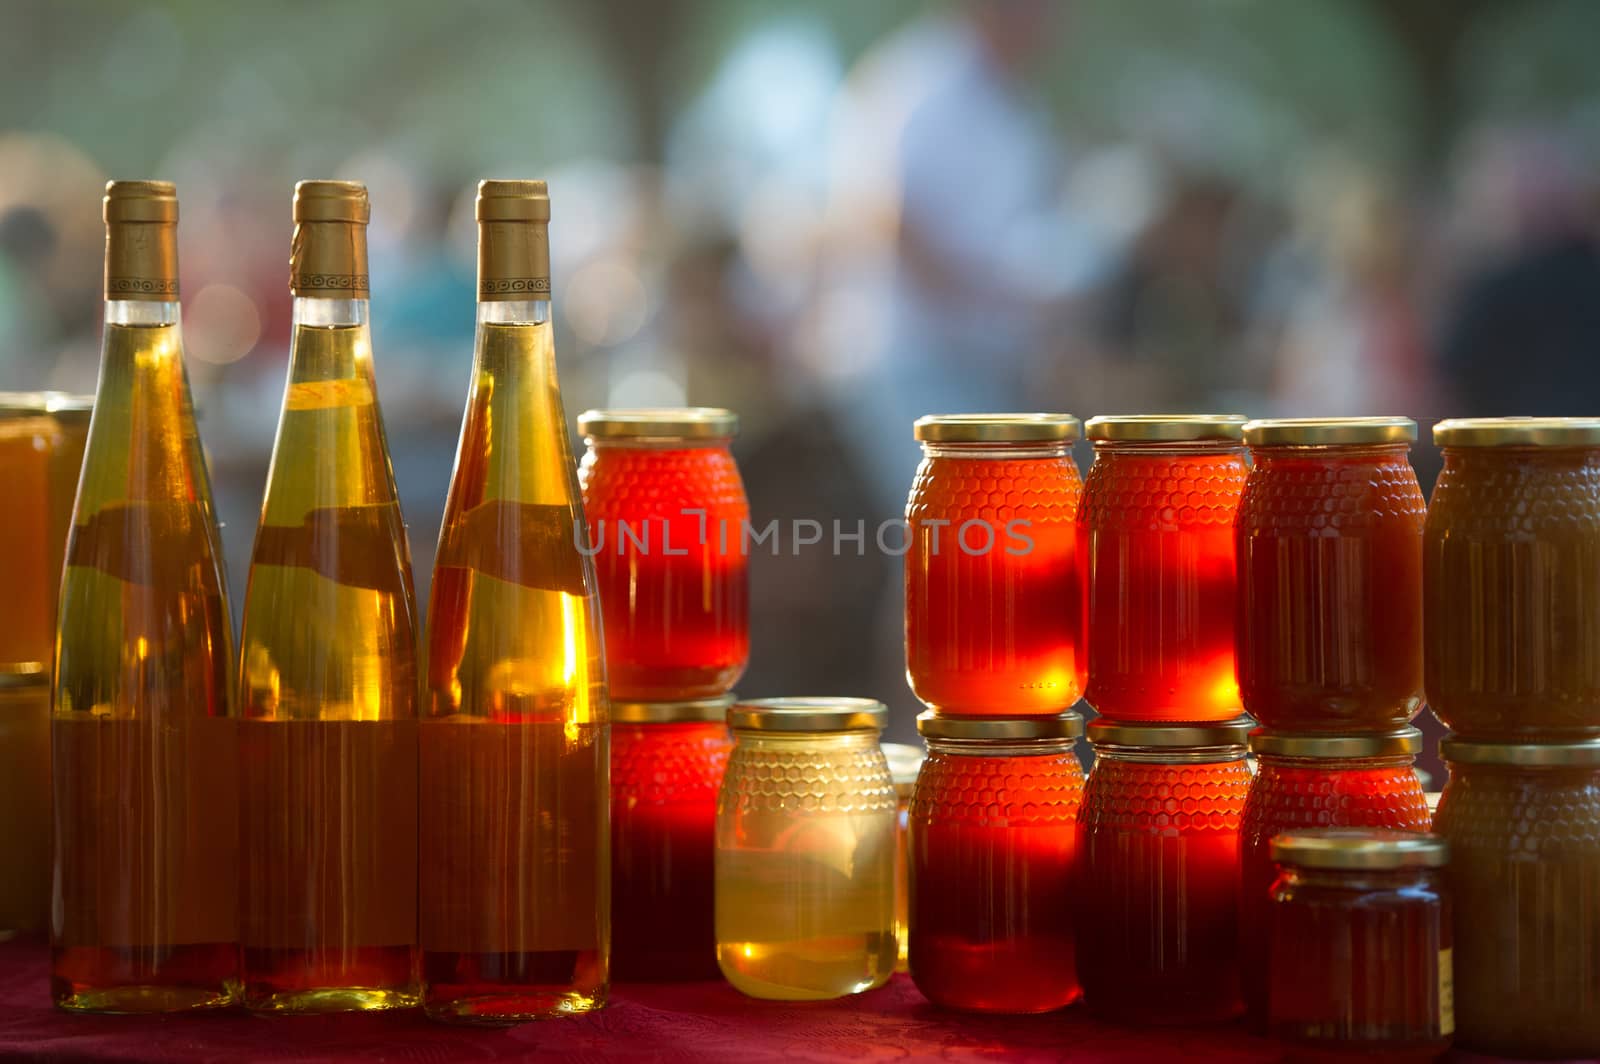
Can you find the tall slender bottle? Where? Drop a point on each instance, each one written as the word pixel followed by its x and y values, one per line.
pixel 516 744
pixel 328 673
pixel 144 733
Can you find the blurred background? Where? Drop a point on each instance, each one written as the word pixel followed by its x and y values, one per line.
pixel 835 216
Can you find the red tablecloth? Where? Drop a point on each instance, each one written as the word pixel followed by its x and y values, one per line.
pixel 691 1022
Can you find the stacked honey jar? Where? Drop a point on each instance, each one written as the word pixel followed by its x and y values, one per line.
pixel 41 447
pixel 666 509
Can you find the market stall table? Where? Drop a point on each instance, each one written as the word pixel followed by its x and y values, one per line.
pixel 682 1022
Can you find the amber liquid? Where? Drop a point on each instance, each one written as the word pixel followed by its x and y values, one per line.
pixel 1511 592
pixel 515 751
pixel 993 613
pixel 144 768
pixel 1158 548
pixel 329 682
pixel 1330 589
pixel 26 551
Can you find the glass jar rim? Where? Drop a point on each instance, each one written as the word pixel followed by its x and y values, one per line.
pixel 1518 432
pixel 934 725
pixel 34 404
pixel 996 428
pixel 1176 735
pixel 1274 743
pixel 905 764
pixel 679 712
pixel 1165 428
pixel 685 422
pixel 808 714
pixel 1329 431
pixel 1579 752
pixel 1359 848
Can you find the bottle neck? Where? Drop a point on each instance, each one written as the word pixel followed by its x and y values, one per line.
pixel 141 312
pixel 514 312
pixel 318 312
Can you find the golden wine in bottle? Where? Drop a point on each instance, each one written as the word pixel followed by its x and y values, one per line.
pixel 328 662
pixel 515 750
pixel 143 728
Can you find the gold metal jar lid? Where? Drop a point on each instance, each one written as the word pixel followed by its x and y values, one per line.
pixel 905 762
pixel 997 428
pixel 1518 432
pixel 1329 431
pixel 1397 743
pixel 1360 848
pixel 687 422
pixel 800 714
pixel 686 712
pixel 21 675
pixel 1579 752
pixel 1235 732
pixel 1165 428
pixel 933 725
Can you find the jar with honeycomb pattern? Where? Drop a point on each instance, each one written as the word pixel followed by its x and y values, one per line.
pixel 667 518
pixel 1360 963
pixel 805 850
pixel 1330 575
pixel 1315 781
pixel 1156 536
pixel 1511 579
pixel 992 838
pixel 667 760
pixel 992 585
pixel 905 763
pixel 1157 908
pixel 1523 822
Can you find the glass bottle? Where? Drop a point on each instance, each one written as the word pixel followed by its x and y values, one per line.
pixel 667 516
pixel 1511 579
pixel 144 910
pixel 1158 872
pixel 1315 781
pixel 993 586
pixel 515 919
pixel 992 863
pixel 667 761
pixel 1359 963
pixel 1330 575
pixel 1523 823
pixel 1156 532
pixel 805 850
pixel 328 673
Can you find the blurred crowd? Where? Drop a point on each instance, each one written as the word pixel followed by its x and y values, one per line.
pixel 832 227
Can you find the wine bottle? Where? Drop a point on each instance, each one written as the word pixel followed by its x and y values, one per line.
pixel 328 667
pixel 515 915
pixel 144 730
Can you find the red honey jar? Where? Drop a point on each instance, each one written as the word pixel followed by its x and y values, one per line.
pixel 1157 902
pixel 667 760
pixel 992 841
pixel 1315 781
pixel 992 581
pixel 1360 961
pixel 1330 575
pixel 667 513
pixel 1156 536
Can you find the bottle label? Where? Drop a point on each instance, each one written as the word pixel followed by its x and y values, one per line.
pixel 1447 994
